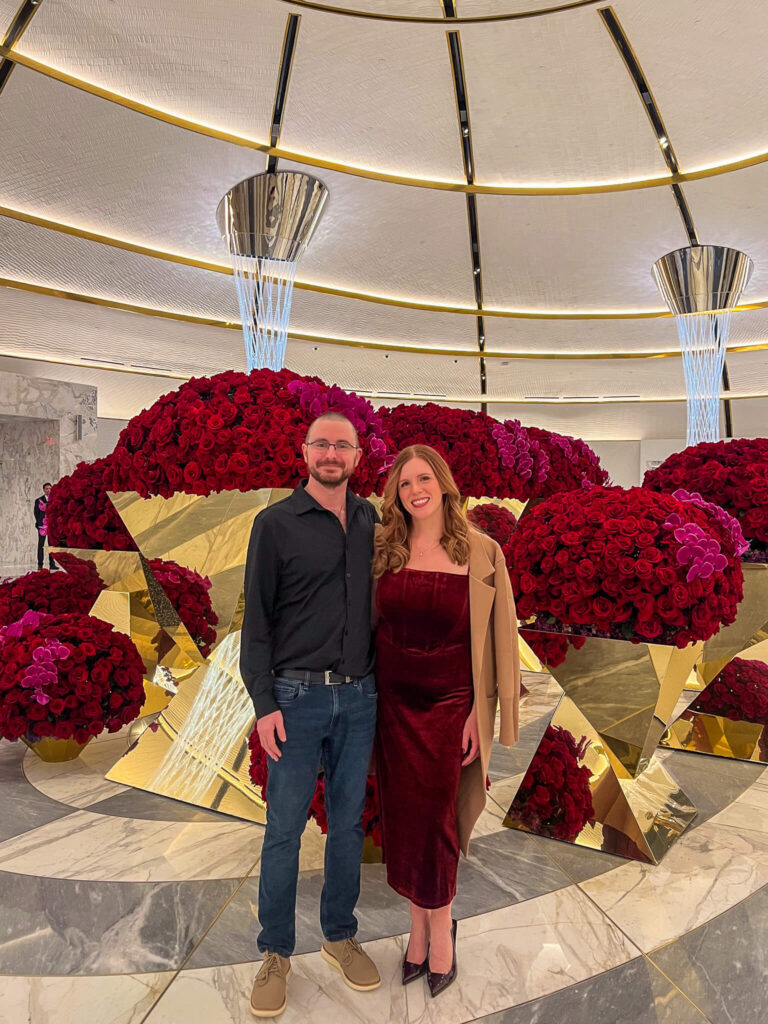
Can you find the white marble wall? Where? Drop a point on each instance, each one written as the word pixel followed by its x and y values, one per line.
pixel 29 455
pixel 34 410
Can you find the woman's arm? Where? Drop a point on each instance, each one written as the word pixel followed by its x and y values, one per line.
pixel 507 652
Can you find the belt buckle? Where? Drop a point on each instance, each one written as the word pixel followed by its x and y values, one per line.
pixel 327 678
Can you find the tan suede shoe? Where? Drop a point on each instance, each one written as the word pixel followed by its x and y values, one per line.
pixel 268 995
pixel 353 963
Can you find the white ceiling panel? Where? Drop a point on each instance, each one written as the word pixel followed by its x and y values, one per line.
pixel 375 94
pixel 212 61
pixel 393 240
pixel 434 378
pixel 8 9
pixel 550 102
pixel 750 417
pixel 603 421
pixel 484 8
pixel 587 252
pixel 41 256
pixel 585 378
pixel 82 160
pixel 44 326
pixel 748 371
pixel 705 64
pixel 316 313
pixel 732 209
pixel 570 337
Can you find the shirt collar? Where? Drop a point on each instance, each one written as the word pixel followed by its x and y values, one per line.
pixel 303 502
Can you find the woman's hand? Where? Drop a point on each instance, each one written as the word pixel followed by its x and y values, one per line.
pixel 470 740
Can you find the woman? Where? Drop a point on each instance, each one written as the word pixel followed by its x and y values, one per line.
pixel 446 655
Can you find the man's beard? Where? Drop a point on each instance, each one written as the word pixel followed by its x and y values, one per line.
pixel 319 473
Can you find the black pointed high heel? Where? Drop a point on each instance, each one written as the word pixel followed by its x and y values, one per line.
pixel 412 971
pixel 436 981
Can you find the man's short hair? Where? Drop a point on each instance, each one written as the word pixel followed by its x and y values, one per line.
pixel 333 416
pixel 47 484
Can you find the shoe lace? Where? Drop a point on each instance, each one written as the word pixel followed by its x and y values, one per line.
pixel 351 946
pixel 270 966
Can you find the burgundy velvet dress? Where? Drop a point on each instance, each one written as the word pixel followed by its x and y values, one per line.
pixel 424 680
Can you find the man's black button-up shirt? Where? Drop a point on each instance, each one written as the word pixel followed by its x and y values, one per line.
pixel 307 593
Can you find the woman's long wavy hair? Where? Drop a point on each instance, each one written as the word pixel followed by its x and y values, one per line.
pixel 392 549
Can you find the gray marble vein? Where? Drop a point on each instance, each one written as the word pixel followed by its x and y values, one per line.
pixel 723 965
pixel 635 993
pixel 65 926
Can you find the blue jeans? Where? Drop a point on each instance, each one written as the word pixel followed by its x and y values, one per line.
pixel 332 726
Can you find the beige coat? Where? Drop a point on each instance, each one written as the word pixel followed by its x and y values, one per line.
pixel 495 670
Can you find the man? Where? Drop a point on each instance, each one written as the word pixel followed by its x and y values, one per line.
pixel 306 660
pixel 40 508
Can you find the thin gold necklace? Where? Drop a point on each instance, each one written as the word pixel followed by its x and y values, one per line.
pixel 427 550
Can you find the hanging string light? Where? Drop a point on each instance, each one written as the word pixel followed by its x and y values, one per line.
pixel 701 284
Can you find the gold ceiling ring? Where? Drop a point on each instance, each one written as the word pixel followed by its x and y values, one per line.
pixel 569 5
pixel 382 346
pixel 657 181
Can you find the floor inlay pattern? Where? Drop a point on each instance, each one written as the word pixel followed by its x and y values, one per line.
pixel 121 907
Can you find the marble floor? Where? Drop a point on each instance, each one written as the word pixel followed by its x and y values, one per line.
pixel 119 907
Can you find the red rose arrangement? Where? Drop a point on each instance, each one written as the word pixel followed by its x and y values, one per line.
pixel 551 648
pixel 67 676
pixel 493 459
pixel 554 798
pixel 187 591
pixel 238 431
pixel 233 431
pixel 259 773
pixel 51 593
pixel 495 520
pixel 738 692
pixel 572 465
pixel 626 564
pixel 80 515
pixel 731 474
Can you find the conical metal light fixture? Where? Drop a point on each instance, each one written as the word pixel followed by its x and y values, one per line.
pixel 267 222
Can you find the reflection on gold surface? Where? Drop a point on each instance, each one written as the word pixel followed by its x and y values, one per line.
pixel 749 628
pixel 134 603
pixel 715 734
pixel 621 696
pixel 635 817
pixel 54 751
pixel 627 692
pixel 197 749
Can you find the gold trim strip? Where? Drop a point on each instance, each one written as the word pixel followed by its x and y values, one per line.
pixel 391 395
pixel 383 346
pixel 426 20
pixel 651 108
pixel 657 181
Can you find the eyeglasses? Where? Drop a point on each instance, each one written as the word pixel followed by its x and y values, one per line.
pixel 341 446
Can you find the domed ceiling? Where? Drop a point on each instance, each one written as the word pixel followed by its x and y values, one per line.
pixel 502 175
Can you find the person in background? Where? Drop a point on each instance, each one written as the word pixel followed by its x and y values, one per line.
pixel 446 658
pixel 40 509
pixel 306 659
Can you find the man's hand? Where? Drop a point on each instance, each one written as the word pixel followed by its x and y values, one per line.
pixel 266 727
pixel 470 739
